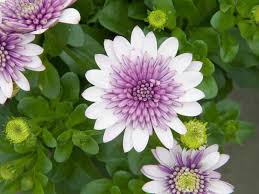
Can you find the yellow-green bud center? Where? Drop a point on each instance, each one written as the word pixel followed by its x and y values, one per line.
pixel 17 130
pixel 157 19
pixel 7 171
pixel 196 135
pixel 255 13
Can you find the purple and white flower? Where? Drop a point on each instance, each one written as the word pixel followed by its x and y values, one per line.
pixel 36 16
pixel 141 88
pixel 17 53
pixel 186 171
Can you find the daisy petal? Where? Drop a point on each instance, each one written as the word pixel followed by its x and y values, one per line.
pixel 98 78
pixel 140 139
pixel 189 80
pixel 177 125
pixel 3 98
pixel 31 50
pixel 169 47
pixel 27 38
pixel 121 47
pixel 95 110
pixel 163 156
pixel 220 187
pixel 166 137
pixel 35 64
pixel 153 172
pixel 154 187
pixel 106 120
pixel 22 81
pixel 70 16
pixel 211 149
pixel 113 132
pixel 104 62
pixel 137 38
pixel 150 45
pixel 190 109
pixel 6 87
pixel 222 160
pixel 127 140
pixel 93 94
pixel 194 66
pixel 209 161
pixel 108 46
pixel 39 31
pixel 192 95
pixel 181 62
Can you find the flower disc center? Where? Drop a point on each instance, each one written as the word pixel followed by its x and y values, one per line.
pixel 187 182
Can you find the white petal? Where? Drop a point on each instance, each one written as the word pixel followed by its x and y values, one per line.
pixel 39 31
pixel 68 3
pixel 169 47
pixel 104 62
pixel 209 161
pixel 3 98
pixel 220 187
pixel 137 38
pixel 22 81
pixel 107 119
pixel 70 16
pixel 27 38
pixel 95 110
pixel 93 94
pixel 31 50
pixel 153 172
pixel 121 47
pixel 192 95
pixel 222 160
pixel 190 109
pixel 150 45
pixel 163 156
pixel 113 132
pixel 108 46
pixel 194 66
pixel 166 137
pixel 98 78
pixel 177 125
pixel 189 80
pixel 127 140
pixel 6 87
pixel 181 62
pixel 154 187
pixel 140 139
pixel 211 149
pixel 35 63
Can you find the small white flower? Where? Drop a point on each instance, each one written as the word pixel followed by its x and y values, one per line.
pixel 182 171
pixel 141 88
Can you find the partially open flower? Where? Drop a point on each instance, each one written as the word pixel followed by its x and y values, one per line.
pixel 141 88
pixel 17 53
pixel 17 130
pixel 191 171
pixel 36 16
pixel 157 19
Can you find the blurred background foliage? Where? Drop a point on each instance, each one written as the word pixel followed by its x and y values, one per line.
pixel 63 154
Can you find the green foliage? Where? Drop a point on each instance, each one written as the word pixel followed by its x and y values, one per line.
pixel 64 154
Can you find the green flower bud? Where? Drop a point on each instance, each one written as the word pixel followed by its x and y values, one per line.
pixel 7 171
pixel 17 130
pixel 27 183
pixel 255 14
pixel 157 19
pixel 196 135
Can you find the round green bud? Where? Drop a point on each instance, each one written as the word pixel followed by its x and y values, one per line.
pixel 27 183
pixel 7 171
pixel 255 14
pixel 196 135
pixel 157 19
pixel 17 130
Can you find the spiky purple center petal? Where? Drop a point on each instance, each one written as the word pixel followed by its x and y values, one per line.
pixel 144 92
pixel 30 15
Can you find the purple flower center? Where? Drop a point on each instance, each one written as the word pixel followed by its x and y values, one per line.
pixel 30 15
pixel 144 92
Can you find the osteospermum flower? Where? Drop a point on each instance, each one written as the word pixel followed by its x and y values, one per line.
pixel 36 16
pixel 17 53
pixel 140 88
pixel 181 171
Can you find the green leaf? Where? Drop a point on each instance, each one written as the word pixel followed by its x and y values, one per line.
pixel 38 188
pixel 200 49
pixel 27 146
pixel 135 186
pixel 115 190
pixel 49 82
pixel 209 87
pixel 245 131
pixel 137 10
pixel 77 116
pixel 43 163
pixel 227 5
pixel 115 21
pixel 121 179
pixel 84 142
pixel 64 147
pixel 56 38
pixel 63 109
pixel 228 109
pixel 254 43
pixel 100 186
pixel 27 182
pixel 208 67
pixel 229 47
pixel 244 7
pixel 247 29
pixel 222 21
pixel 28 106
pixel 71 87
pixel 48 139
pixel 76 36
